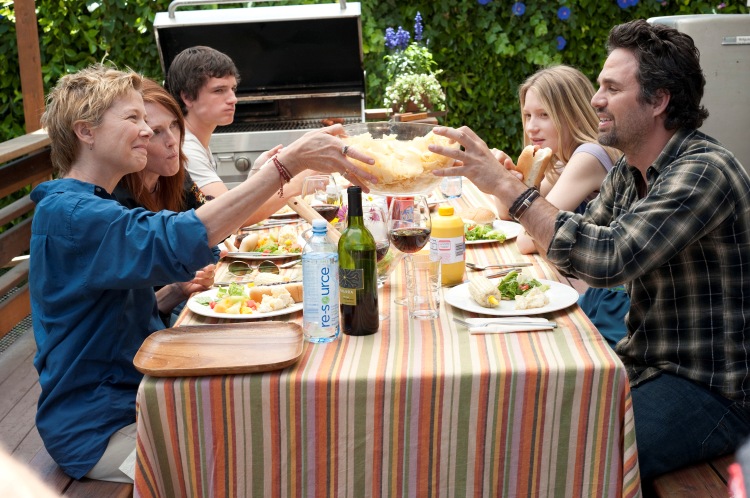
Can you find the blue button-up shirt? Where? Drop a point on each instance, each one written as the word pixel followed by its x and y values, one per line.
pixel 93 267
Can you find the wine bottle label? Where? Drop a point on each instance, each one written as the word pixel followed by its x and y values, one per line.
pixel 349 282
pixel 447 250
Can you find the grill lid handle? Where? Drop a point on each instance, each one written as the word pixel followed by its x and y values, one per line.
pixel 179 3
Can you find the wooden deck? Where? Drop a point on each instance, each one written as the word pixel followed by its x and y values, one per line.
pixel 19 392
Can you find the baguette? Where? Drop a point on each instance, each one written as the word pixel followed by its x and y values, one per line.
pixel 294 288
pixel 533 162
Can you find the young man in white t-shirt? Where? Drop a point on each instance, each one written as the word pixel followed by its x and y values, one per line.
pixel 204 81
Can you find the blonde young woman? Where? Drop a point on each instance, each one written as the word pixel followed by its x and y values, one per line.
pixel 556 112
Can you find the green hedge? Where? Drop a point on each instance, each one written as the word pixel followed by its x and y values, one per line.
pixel 484 49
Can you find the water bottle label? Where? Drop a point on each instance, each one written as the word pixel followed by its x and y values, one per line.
pixel 350 280
pixel 447 250
pixel 321 283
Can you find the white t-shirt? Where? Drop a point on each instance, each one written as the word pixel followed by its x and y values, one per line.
pixel 200 163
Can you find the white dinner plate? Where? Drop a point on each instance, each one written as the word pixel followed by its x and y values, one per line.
pixel 511 230
pixel 560 296
pixel 257 256
pixel 483 241
pixel 285 212
pixel 201 309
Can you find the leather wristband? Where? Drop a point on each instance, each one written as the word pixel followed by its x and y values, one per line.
pixel 522 204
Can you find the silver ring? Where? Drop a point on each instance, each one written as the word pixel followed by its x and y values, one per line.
pixel 344 149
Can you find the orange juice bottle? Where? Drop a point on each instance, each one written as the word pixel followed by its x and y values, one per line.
pixel 447 243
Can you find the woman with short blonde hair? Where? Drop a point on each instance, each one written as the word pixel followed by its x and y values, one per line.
pixel 94 263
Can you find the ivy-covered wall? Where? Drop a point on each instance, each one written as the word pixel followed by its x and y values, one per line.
pixel 486 48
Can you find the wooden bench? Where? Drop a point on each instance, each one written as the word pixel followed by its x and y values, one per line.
pixel 54 477
pixel 707 479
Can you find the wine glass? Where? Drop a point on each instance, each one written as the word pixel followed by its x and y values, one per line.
pixel 409 225
pixel 376 222
pixel 321 193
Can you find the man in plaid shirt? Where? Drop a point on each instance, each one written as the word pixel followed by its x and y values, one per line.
pixel 671 223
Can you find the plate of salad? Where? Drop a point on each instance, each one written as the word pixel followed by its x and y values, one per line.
pixel 233 302
pixel 274 244
pixel 560 296
pixel 485 233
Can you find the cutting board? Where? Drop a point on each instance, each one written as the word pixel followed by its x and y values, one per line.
pixel 221 349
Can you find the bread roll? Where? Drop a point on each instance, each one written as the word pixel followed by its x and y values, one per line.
pixel 294 288
pixel 478 215
pixel 533 163
pixel 249 242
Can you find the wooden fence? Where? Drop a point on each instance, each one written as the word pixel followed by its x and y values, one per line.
pixel 24 163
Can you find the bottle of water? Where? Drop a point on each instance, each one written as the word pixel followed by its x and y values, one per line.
pixel 320 280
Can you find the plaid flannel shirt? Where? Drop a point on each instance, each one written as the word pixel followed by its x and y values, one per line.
pixel 683 253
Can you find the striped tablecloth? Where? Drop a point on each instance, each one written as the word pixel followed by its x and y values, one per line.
pixel 420 409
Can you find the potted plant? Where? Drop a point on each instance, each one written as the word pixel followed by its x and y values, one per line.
pixel 412 72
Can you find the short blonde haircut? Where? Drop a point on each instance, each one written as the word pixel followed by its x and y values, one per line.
pixel 82 96
pixel 566 94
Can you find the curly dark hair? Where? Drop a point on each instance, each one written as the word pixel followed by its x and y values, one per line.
pixel 668 60
pixel 192 68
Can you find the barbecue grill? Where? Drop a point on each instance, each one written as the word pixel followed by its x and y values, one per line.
pixel 299 66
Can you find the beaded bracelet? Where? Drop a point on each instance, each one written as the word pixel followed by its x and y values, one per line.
pixel 283 173
pixel 522 204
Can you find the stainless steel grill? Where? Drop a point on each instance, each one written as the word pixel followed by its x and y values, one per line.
pixel 304 124
pixel 299 65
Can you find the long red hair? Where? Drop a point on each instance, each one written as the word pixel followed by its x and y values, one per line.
pixel 169 189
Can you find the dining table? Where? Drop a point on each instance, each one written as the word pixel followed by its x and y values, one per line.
pixel 421 408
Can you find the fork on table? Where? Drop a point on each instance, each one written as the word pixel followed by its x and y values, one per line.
pixel 477 267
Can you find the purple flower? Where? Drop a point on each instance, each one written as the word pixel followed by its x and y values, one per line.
pixel 518 8
pixel 721 5
pixel 418 27
pixel 561 42
pixel 402 38
pixel 633 3
pixel 563 13
pixel 484 2
pixel 624 4
pixel 391 41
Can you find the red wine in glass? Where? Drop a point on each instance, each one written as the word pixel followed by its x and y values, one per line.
pixel 327 211
pixel 409 239
pixel 381 248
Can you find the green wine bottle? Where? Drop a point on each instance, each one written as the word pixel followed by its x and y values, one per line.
pixel 358 274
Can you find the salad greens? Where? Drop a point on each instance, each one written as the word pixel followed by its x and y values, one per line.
pixel 232 290
pixel 515 284
pixel 474 231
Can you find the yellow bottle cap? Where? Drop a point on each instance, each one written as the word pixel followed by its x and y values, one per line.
pixel 445 210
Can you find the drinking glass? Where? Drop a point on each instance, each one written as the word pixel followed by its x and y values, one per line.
pixel 322 194
pixel 376 222
pixel 409 223
pixel 409 226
